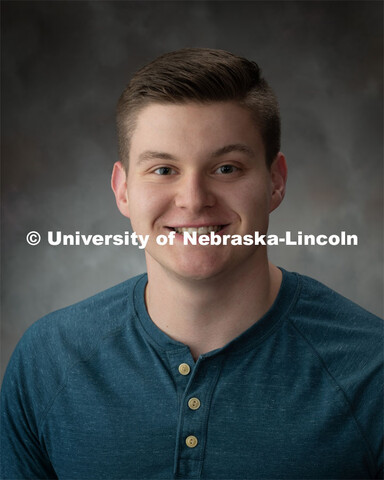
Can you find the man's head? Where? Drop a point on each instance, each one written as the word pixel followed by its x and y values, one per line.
pixel 204 76
pixel 201 131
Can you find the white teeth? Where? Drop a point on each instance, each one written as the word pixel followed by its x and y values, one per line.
pixel 198 230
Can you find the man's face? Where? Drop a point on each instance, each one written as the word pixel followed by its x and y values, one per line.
pixel 199 167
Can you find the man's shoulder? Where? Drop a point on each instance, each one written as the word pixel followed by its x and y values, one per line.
pixel 102 313
pixel 71 334
pixel 56 347
pixel 343 334
pixel 339 347
pixel 319 303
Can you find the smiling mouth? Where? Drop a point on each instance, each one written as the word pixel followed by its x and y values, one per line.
pixel 199 230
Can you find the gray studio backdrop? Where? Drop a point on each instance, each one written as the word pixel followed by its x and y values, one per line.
pixel 64 65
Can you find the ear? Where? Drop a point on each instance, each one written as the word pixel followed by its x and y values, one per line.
pixel 119 187
pixel 279 179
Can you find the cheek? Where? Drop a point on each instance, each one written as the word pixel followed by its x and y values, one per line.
pixel 254 199
pixel 146 203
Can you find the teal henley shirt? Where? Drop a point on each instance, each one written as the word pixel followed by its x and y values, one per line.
pixel 98 391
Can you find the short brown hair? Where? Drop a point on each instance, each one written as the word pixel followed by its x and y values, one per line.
pixel 200 75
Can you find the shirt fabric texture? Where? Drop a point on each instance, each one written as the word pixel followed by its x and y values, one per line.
pixel 94 391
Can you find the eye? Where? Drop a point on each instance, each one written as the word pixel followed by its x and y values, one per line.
pixel 226 169
pixel 164 171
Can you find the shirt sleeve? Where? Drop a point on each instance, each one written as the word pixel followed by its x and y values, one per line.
pixel 23 453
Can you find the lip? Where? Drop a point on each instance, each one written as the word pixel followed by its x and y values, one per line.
pixel 198 225
pixel 179 236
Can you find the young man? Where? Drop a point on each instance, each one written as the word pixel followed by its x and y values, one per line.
pixel 216 364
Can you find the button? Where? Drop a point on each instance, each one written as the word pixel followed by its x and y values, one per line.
pixel 191 441
pixel 194 403
pixel 184 368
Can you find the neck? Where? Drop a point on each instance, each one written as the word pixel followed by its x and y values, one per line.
pixel 207 314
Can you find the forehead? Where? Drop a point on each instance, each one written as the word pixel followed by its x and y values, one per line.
pixel 194 127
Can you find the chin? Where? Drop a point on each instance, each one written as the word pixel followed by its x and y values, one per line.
pixel 190 276
pixel 194 270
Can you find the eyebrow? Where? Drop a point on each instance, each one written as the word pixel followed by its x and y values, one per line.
pixel 235 147
pixel 148 155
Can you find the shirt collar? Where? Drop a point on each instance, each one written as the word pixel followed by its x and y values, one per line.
pixel 251 337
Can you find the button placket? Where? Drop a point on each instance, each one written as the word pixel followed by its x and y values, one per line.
pixel 194 416
pixel 182 367
pixel 190 404
pixel 195 383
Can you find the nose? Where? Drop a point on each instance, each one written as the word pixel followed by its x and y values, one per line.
pixel 194 193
